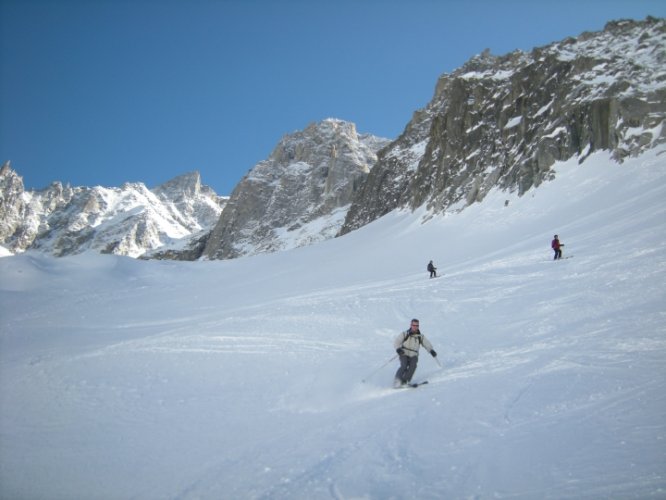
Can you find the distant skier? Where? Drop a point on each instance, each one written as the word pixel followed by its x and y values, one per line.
pixel 432 270
pixel 407 346
pixel 555 245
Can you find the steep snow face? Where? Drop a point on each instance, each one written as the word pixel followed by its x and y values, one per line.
pixel 242 378
pixel 129 220
pixel 296 196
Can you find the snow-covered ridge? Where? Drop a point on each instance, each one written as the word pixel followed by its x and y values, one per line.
pixel 629 51
pixel 625 52
pixel 129 220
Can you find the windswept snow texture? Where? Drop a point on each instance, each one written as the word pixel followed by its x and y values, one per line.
pixel 242 379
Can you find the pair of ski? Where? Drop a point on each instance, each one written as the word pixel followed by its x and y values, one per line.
pixel 412 385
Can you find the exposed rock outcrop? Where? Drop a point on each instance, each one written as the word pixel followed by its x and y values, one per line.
pixel 502 122
pixel 299 195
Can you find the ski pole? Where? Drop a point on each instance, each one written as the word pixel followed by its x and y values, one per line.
pixel 375 371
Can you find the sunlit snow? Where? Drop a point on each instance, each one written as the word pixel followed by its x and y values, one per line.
pixel 243 379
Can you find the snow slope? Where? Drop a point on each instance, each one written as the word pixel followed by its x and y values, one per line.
pixel 242 379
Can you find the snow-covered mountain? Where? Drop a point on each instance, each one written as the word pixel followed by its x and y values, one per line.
pixel 504 121
pixel 130 220
pixel 242 379
pixel 299 195
pixel 495 122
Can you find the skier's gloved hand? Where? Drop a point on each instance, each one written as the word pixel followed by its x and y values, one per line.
pixel 433 353
pixel 400 351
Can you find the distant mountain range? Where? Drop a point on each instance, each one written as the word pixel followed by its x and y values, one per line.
pixel 131 220
pixel 498 122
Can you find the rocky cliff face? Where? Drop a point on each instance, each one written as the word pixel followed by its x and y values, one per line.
pixel 299 195
pixel 130 220
pixel 501 122
pixel 12 205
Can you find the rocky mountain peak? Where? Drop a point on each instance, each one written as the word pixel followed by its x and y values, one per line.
pixel 318 142
pixel 503 121
pixel 12 201
pixel 188 184
pixel 299 194
pixel 6 168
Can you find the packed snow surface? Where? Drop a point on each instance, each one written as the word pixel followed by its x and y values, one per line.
pixel 244 379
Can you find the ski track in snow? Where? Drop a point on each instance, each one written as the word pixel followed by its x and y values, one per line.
pixel 242 379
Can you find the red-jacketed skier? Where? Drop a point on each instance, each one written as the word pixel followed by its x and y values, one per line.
pixel 407 346
pixel 555 245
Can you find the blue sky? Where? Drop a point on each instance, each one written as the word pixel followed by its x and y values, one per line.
pixel 101 92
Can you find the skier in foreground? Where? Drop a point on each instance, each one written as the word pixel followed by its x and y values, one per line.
pixel 407 346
